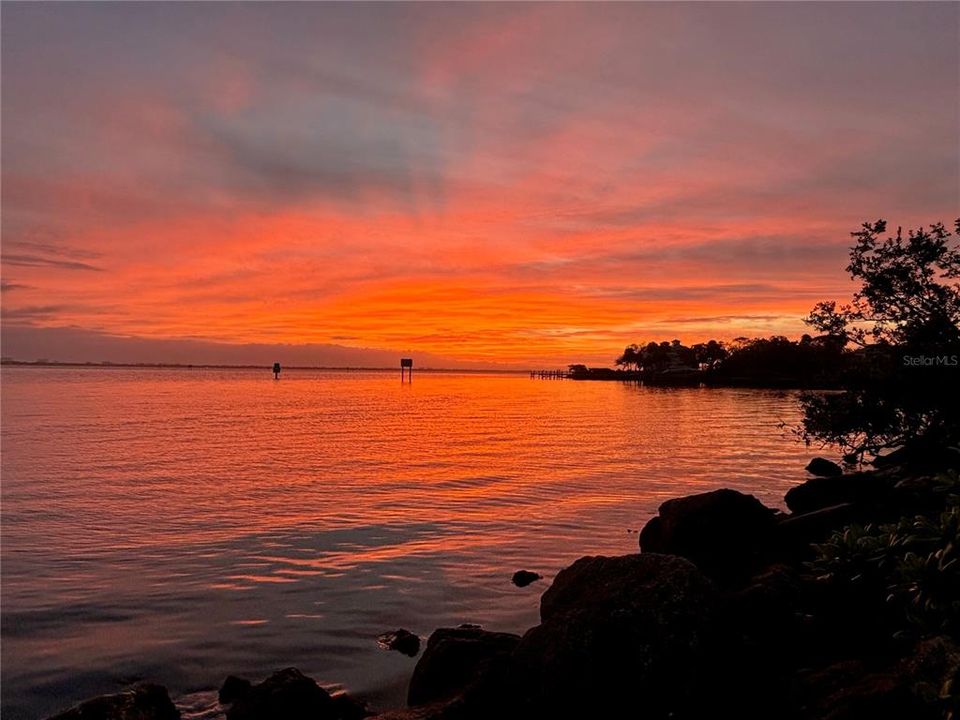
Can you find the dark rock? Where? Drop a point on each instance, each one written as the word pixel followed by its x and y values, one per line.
pixel 232 689
pixel 347 707
pixel 458 662
pixel 764 632
pixel 858 488
pixel 607 582
pixel 522 578
pixel 824 468
pixel 935 457
pixel 724 532
pixel 402 641
pixel 796 533
pixel 142 702
pixel 618 633
pixel 894 458
pixel 287 694
pixel 650 537
pixel 767 606
pixel 877 496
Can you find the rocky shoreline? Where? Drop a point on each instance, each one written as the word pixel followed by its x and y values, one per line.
pixel 730 609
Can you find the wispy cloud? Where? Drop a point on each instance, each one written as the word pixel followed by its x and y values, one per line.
pixel 49 262
pixel 34 312
pixel 721 319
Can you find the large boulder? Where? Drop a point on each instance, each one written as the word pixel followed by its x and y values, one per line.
pixel 725 533
pixel 233 689
pixel 865 489
pixel 141 702
pixel 347 707
pixel 924 457
pixel 465 662
pixel 618 635
pixel 768 613
pixel 290 695
pixel 797 533
pixel 822 467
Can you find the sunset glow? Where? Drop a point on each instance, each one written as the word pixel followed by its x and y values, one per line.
pixel 489 183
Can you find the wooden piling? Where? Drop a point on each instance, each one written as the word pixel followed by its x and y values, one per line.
pixel 549 374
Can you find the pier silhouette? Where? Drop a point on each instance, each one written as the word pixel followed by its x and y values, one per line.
pixel 550 374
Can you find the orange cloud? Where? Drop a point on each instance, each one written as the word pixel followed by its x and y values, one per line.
pixel 536 184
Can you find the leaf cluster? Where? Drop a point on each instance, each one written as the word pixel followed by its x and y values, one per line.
pixel 912 566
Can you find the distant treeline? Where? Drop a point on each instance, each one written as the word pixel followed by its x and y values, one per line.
pixel 776 361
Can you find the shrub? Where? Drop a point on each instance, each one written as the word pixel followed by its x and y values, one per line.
pixel 913 566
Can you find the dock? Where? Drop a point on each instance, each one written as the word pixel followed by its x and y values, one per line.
pixel 550 374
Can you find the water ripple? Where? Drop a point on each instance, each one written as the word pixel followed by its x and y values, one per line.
pixel 183 525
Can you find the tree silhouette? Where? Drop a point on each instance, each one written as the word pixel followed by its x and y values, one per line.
pixel 905 296
pixel 631 357
pixel 905 320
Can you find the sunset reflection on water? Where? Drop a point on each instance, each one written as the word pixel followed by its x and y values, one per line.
pixel 182 525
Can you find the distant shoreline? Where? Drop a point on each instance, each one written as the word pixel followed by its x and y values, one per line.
pixel 206 366
pixel 605 375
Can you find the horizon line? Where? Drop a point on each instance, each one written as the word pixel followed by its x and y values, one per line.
pixel 228 366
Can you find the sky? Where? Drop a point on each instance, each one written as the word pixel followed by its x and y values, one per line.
pixel 527 184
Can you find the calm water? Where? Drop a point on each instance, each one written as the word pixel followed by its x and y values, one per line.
pixel 182 525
